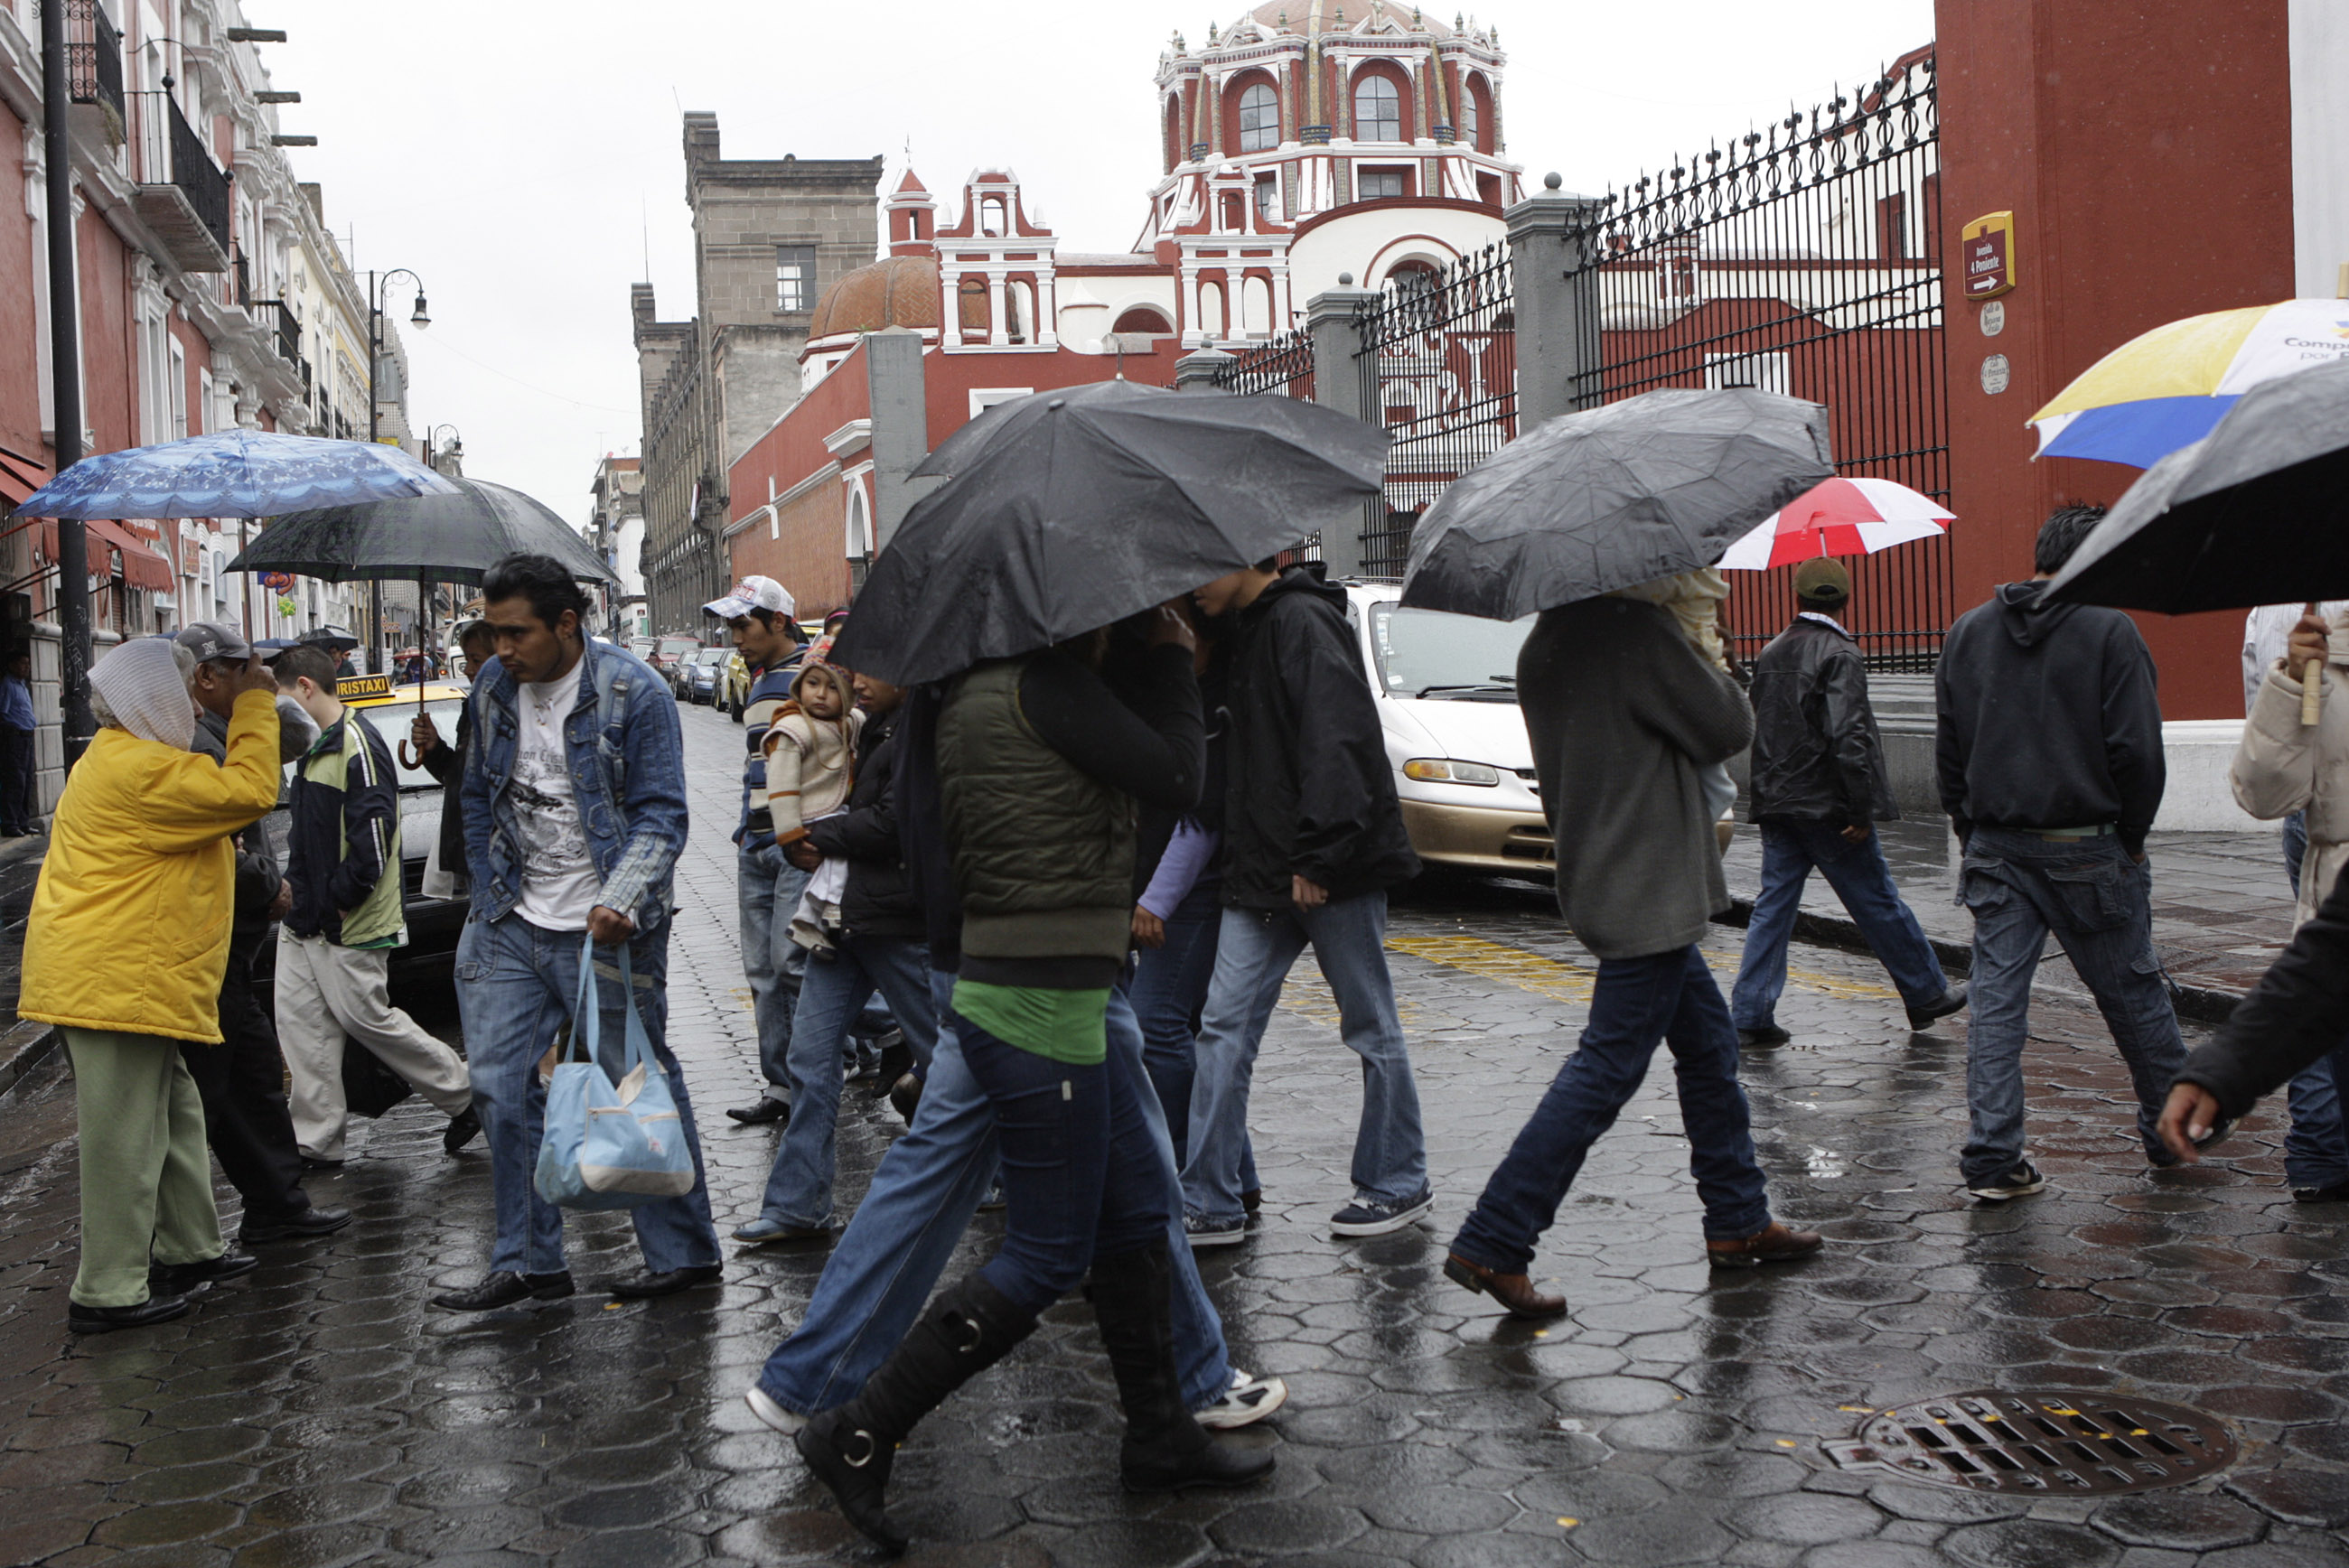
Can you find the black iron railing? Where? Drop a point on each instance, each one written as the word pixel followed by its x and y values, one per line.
pixel 1806 260
pixel 1282 364
pixel 171 153
pixel 289 334
pixel 1437 353
pixel 93 56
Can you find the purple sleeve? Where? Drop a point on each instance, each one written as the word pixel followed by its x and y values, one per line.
pixel 1187 854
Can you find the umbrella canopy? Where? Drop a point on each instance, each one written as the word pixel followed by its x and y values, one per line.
pixel 1073 509
pixel 2169 386
pixel 1612 497
pixel 450 538
pixel 2257 513
pixel 237 473
pixel 1841 516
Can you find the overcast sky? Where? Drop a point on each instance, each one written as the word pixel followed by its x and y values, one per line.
pixel 523 156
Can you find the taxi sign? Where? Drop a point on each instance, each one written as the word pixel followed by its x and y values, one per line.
pixel 350 687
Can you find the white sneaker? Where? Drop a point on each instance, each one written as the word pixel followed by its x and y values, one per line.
pixel 1247 1400
pixel 774 1415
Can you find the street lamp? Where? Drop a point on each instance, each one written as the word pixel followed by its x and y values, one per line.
pixel 377 285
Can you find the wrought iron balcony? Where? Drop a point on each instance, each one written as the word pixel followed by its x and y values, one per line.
pixel 183 194
pixel 93 57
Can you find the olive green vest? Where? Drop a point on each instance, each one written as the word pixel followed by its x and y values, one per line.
pixel 1043 854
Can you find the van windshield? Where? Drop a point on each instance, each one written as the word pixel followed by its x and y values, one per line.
pixel 1438 655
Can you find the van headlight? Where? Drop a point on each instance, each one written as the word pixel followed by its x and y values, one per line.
pixel 1443 770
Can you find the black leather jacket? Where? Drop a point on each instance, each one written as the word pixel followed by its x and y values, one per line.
pixel 1816 753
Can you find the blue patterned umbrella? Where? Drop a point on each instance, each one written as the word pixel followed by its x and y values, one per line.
pixel 237 473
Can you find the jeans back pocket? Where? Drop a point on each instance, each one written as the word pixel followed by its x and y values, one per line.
pixel 2093 895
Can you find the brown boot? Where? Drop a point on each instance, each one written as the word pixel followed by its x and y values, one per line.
pixel 1772 1243
pixel 1515 1292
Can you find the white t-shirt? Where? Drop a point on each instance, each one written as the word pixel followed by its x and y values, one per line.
pixel 559 884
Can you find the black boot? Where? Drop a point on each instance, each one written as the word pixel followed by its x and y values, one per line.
pixel 897 1061
pixel 851 1447
pixel 1164 1450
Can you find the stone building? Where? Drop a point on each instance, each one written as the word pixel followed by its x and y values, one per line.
pixel 770 235
pixel 615 530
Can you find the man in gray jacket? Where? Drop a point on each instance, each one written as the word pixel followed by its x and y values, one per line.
pixel 1622 713
pixel 1819 790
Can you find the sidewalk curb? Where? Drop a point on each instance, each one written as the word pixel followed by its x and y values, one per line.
pixel 2202 1004
pixel 26 1046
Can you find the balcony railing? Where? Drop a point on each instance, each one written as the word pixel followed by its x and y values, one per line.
pixel 93 56
pixel 289 333
pixel 183 194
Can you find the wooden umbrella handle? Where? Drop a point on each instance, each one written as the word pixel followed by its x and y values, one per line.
pixel 2311 690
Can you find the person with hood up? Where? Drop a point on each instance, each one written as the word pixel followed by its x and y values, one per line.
pixel 2050 764
pixel 1819 789
pixel 1626 717
pixel 140 861
pixel 1313 838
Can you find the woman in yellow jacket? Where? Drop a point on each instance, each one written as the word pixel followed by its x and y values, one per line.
pixel 124 952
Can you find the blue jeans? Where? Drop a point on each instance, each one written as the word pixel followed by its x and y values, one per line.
pixel 1790 848
pixel 1078 1172
pixel 904 1233
pixel 2099 903
pixel 838 985
pixel 768 888
pixel 1253 956
pixel 1664 996
pixel 515 987
pixel 1169 986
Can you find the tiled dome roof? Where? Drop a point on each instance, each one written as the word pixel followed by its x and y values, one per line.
pixel 896 291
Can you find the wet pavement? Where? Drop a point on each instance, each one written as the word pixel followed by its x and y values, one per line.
pixel 319 1413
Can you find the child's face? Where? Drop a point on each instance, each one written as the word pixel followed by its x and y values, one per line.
pixel 820 698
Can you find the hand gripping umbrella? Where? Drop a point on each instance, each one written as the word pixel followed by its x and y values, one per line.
pixel 1074 510
pixel 2257 513
pixel 1616 496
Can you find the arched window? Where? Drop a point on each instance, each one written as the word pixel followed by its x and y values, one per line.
pixel 1141 318
pixel 991 219
pixel 1378 110
pixel 1467 129
pixel 973 312
pixel 1211 310
pixel 860 524
pixel 1259 118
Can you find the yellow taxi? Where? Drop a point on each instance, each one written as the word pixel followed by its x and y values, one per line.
pixel 390 707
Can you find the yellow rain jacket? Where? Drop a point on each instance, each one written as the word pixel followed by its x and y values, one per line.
pixel 130 925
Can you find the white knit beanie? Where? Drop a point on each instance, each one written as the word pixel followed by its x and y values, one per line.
pixel 145 691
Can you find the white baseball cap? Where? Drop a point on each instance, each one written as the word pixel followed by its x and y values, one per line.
pixel 753 594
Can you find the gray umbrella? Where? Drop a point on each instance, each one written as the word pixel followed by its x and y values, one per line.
pixel 1615 496
pixel 2256 512
pixel 450 538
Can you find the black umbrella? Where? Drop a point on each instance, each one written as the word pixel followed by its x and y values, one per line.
pixel 1072 510
pixel 1623 494
pixel 443 537
pixel 2256 512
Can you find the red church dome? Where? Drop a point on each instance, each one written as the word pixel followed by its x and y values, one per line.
pixel 895 290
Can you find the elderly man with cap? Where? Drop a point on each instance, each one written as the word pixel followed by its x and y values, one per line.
pixel 242 1080
pixel 1819 788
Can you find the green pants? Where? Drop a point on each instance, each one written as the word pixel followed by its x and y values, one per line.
pixel 146 1175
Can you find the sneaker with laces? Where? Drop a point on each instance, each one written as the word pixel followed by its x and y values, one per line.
pixel 1202 1231
pixel 1377 1216
pixel 2019 1182
pixel 1247 1400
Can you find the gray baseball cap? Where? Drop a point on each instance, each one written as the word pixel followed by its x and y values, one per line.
pixel 209 640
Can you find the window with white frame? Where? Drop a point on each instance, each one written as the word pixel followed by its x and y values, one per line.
pixel 1379 184
pixel 1267 199
pixel 206 395
pixel 982 398
pixel 860 524
pixel 1378 110
pixel 1467 129
pixel 1763 372
pixel 1260 119
pixel 794 279
pixel 175 388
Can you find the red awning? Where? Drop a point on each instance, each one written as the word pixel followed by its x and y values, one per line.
pixel 20 476
pixel 142 565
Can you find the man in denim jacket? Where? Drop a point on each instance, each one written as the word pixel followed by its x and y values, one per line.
pixel 574 811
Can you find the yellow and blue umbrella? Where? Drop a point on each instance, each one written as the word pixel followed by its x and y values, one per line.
pixel 2169 388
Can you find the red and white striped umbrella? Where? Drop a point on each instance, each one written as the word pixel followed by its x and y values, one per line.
pixel 1841 516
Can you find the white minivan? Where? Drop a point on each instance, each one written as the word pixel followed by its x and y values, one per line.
pixel 1446 691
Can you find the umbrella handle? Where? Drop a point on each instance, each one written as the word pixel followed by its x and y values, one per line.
pixel 2311 695
pixel 409 760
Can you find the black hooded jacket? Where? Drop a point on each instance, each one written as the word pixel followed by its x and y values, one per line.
pixel 1310 791
pixel 2294 1018
pixel 878 900
pixel 2048 718
pixel 1816 753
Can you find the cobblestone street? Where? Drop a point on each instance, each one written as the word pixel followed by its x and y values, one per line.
pixel 317 1412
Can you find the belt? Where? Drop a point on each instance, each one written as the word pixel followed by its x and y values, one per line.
pixel 2065 835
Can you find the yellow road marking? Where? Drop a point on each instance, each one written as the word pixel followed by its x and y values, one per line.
pixel 1570 982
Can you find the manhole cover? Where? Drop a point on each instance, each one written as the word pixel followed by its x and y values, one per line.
pixel 2064 1443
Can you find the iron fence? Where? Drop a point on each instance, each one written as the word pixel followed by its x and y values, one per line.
pixel 1804 259
pixel 1281 363
pixel 1437 354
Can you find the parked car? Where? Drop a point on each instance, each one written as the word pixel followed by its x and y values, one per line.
pixel 734 686
pixel 700 675
pixel 669 655
pixel 643 647
pixel 1447 699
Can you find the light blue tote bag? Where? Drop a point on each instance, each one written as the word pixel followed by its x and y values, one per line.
pixel 608 1145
